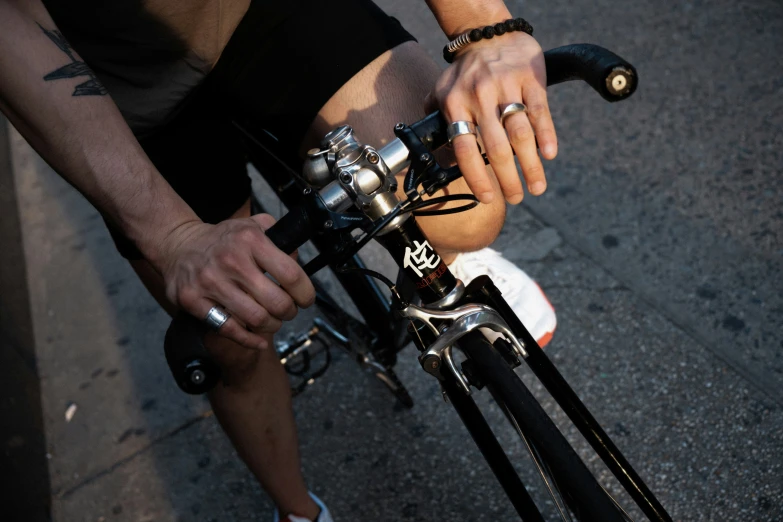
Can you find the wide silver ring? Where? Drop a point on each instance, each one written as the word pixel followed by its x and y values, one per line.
pixel 460 128
pixel 511 108
pixel 216 318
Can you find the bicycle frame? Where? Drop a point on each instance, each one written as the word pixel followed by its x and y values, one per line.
pixel 376 310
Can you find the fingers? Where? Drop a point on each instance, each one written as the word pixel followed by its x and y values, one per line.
pixel 500 152
pixel 276 300
pixel 286 272
pixel 247 309
pixel 246 286
pixel 516 135
pixel 219 285
pixel 534 94
pixel 233 330
pixel 223 265
pixel 473 169
pixel 468 156
pixel 265 221
pixel 264 256
pixel 523 140
pixel 481 83
pixel 284 268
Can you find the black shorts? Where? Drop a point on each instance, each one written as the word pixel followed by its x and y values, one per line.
pixel 280 67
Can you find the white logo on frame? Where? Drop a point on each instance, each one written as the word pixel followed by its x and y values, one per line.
pixel 420 259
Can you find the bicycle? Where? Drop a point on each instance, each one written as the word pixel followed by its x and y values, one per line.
pixel 348 187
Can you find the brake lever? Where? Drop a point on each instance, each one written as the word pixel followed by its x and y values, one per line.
pixel 441 179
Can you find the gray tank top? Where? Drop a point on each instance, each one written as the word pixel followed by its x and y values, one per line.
pixel 149 54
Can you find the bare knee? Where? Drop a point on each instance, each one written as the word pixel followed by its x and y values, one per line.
pixel 239 366
pixel 467 231
pixel 390 89
pixel 482 228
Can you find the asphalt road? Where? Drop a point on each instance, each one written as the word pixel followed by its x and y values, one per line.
pixel 659 243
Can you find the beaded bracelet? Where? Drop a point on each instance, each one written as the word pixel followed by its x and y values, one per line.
pixel 490 31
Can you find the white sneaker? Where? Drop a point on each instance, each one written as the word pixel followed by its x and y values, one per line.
pixel 323 516
pixel 521 293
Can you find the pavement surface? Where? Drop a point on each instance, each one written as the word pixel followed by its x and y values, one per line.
pixel 24 470
pixel 659 243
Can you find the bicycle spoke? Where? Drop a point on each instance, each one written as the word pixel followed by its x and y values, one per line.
pixel 557 498
pixel 625 514
pixel 552 488
pixel 548 472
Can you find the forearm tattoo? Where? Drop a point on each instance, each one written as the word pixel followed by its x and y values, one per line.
pixel 76 68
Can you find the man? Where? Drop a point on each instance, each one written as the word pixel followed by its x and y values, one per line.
pixel 131 101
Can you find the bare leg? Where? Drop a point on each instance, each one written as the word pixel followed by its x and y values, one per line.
pixel 253 404
pixel 393 89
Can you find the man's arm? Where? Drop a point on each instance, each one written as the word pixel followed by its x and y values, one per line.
pixel 60 107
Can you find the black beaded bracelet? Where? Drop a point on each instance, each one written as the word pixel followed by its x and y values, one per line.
pixel 490 31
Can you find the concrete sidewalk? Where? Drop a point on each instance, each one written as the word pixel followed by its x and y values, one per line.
pixel 24 470
pixel 658 243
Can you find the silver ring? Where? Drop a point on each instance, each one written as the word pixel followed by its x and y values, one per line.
pixel 216 318
pixel 460 128
pixel 511 108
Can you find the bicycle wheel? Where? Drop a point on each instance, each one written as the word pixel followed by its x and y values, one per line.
pixel 582 492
